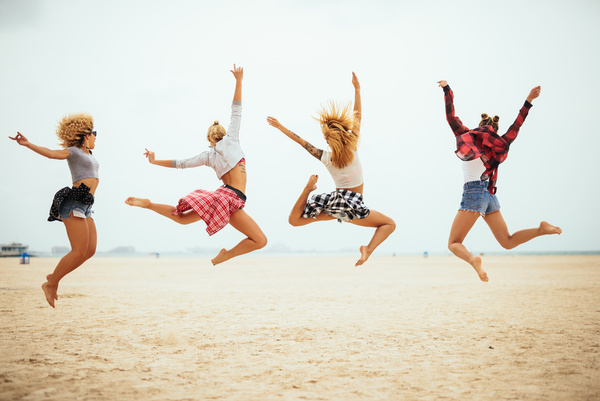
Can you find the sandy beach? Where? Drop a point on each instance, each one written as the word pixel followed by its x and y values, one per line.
pixel 303 328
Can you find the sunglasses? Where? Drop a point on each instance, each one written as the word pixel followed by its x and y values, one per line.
pixel 93 133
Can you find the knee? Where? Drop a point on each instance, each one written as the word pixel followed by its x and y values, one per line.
pixel 506 244
pixel 90 252
pixel 261 241
pixel 392 225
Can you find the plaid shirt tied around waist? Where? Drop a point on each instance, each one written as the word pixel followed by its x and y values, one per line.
pixel 483 141
pixel 214 207
pixel 342 204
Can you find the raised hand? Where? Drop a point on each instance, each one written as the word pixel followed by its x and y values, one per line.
pixel 238 73
pixel 355 81
pixel 535 92
pixel 442 84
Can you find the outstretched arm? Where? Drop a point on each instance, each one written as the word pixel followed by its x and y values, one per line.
pixel 357 103
pixel 150 156
pixel 305 144
pixel 238 73
pixel 457 126
pixel 60 154
pixel 513 130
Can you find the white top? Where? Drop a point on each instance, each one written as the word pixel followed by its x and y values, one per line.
pixel 348 177
pixel 473 170
pixel 82 165
pixel 226 154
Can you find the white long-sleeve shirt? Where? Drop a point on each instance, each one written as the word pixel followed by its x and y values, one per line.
pixel 226 154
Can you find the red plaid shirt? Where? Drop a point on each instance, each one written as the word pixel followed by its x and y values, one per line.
pixel 483 141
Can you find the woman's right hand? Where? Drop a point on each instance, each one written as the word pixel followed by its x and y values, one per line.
pixel 274 123
pixel 21 140
pixel 149 155
pixel 443 84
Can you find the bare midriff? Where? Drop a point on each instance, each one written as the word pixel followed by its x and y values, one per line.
pixel 92 183
pixel 358 189
pixel 236 177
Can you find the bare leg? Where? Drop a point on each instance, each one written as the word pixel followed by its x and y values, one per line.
pixel 498 226
pixel 385 226
pixel 82 236
pixel 256 239
pixel 91 250
pixel 296 218
pixel 463 222
pixel 164 210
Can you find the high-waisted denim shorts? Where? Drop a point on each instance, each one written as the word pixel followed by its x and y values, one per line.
pixel 477 198
pixel 78 209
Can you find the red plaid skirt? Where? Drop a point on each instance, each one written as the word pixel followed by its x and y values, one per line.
pixel 214 207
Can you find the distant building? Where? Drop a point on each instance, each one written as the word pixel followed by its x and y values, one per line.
pixel 123 249
pixel 60 250
pixel 13 249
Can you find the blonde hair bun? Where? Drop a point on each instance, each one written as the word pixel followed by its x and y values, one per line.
pixel 216 122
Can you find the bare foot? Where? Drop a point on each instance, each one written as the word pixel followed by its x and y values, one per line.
pixel 548 228
pixel 477 266
pixel 48 277
pixel 312 183
pixel 139 202
pixel 50 293
pixel 220 258
pixel 364 255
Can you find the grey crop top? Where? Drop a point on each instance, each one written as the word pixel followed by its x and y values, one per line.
pixel 81 164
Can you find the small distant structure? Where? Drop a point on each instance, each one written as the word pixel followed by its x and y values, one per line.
pixel 13 249
pixel 156 254
pixel 123 249
pixel 60 250
pixel 24 258
pixel 425 254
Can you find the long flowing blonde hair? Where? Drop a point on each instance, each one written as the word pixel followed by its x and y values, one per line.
pixel 341 129
pixel 73 128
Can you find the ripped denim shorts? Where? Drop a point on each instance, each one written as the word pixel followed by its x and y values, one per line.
pixel 477 198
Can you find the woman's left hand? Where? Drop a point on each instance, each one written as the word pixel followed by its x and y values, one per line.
pixel 355 81
pixel 535 92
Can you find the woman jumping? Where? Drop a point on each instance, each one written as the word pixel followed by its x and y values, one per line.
pixel 225 205
pixel 341 128
pixel 482 150
pixel 72 206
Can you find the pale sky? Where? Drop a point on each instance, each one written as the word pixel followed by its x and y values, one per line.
pixel 156 74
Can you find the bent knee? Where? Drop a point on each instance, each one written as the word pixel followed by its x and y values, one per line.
pixel 507 245
pixel 392 225
pixel 261 241
pixel 90 253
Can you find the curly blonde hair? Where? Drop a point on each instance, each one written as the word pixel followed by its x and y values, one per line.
pixel 73 128
pixel 341 129
pixel 215 133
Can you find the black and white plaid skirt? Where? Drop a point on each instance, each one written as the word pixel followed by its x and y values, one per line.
pixel 342 204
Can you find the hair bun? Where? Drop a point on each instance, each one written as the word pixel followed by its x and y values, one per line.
pixel 484 116
pixel 216 122
pixel 496 119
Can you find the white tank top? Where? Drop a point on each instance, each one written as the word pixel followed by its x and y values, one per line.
pixel 348 177
pixel 473 169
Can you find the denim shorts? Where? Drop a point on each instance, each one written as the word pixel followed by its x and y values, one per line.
pixel 477 198
pixel 78 209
